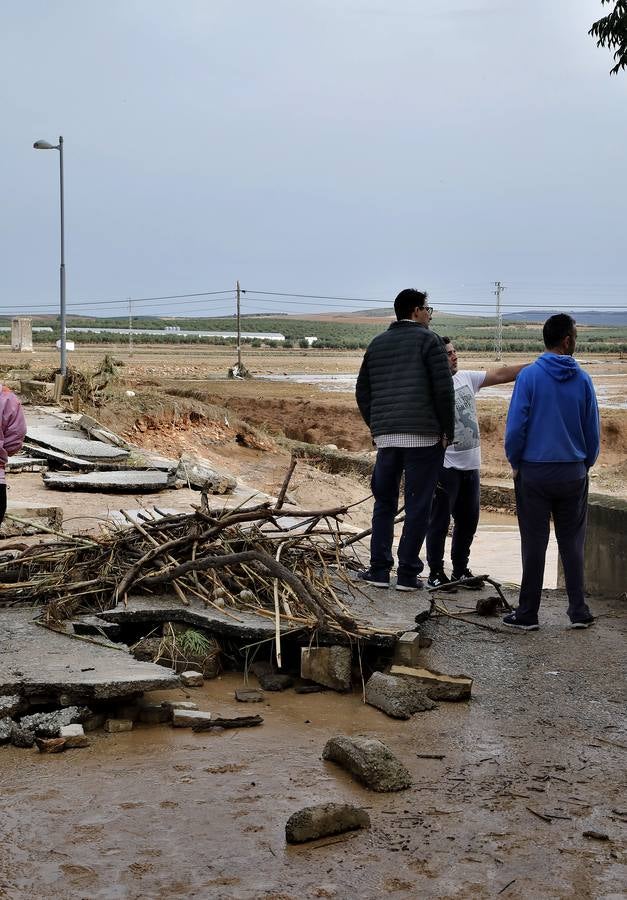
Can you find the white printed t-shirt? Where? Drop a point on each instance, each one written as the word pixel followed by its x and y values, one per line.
pixel 465 452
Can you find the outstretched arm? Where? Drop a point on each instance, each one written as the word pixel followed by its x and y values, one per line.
pixel 502 375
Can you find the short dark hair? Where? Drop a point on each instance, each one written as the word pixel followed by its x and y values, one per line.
pixel 407 301
pixel 556 329
pixel 446 340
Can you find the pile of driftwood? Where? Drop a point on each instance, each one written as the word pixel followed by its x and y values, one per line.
pixel 288 564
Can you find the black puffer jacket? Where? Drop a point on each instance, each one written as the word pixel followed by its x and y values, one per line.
pixel 405 385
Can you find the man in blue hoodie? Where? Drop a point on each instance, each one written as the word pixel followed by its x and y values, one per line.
pixel 551 440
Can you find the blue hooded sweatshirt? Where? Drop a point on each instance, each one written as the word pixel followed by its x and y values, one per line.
pixel 553 416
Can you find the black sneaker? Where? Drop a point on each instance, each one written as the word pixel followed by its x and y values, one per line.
pixel 438 579
pixel 413 583
pixel 582 623
pixel 473 583
pixel 512 621
pixel 380 581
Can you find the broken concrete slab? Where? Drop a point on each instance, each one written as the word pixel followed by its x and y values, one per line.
pixel 179 704
pixel 36 661
pixel 125 481
pixel 228 722
pixel 396 697
pixel 22 463
pixel 197 473
pixel 329 666
pixel 248 695
pixel 186 718
pixel 370 761
pixel 96 626
pixel 436 685
pixel 324 819
pixel 64 442
pixel 98 432
pixel 56 458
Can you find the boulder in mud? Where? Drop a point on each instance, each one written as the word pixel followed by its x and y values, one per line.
pixel 323 820
pixel 397 697
pixel 370 761
pixel 275 681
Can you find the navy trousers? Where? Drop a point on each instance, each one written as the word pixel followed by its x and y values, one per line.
pixel 457 494
pixel 421 466
pixel 3 501
pixel 536 501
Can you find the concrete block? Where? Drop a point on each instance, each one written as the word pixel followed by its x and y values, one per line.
pixel 406 650
pixel 330 666
pixel 325 819
pixel 248 695
pixel 10 705
pixel 186 718
pixel 192 678
pixel 155 714
pixel 436 685
pixel 74 736
pixel 179 704
pixel 115 726
pixel 397 697
pixel 94 722
pixel 370 761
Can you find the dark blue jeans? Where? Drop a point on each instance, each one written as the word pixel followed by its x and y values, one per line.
pixel 421 466
pixel 456 494
pixel 3 501
pixel 536 501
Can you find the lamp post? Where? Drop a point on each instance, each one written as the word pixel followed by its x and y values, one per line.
pixel 44 145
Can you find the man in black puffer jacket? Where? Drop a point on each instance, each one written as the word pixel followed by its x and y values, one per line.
pixel 405 395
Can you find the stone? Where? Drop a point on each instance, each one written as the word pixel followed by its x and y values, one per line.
pixel 261 667
pixel 6 728
pixel 74 736
pixel 51 745
pixel 310 689
pixel 324 819
pixel 128 711
pixel 115 726
pixel 192 678
pixel 248 695
pixel 10 705
pixel 197 473
pixel 94 722
pixel 275 681
pixel 370 761
pixel 187 718
pixel 486 606
pixel 397 697
pixel 179 704
pixel 50 724
pixel 155 713
pixel 330 666
pixel 406 650
pixel 436 685
pixel 22 737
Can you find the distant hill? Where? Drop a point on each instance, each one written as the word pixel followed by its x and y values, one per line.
pixel 582 316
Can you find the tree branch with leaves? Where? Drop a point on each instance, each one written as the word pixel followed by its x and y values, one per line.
pixel 611 32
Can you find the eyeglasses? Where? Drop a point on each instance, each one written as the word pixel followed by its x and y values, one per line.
pixel 429 309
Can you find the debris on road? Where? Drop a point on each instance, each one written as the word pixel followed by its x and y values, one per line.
pixel 436 685
pixel 370 761
pixel 397 697
pixel 323 820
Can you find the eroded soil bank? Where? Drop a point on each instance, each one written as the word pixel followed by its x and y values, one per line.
pixel 163 813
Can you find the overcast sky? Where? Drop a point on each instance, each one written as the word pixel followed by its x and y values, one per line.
pixel 341 147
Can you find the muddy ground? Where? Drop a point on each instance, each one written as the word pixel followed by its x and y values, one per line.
pixel 160 812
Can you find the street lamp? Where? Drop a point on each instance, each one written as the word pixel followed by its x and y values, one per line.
pixel 44 145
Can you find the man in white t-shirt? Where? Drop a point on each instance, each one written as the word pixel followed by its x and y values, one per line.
pixel 457 490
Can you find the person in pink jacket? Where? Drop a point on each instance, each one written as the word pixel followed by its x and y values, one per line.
pixel 12 434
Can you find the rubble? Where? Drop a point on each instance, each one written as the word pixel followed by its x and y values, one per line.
pixel 248 695
pixel 323 820
pixel 197 473
pixel 64 442
pixel 329 666
pixel 370 761
pixel 275 681
pixel 10 705
pixel 185 718
pixel 406 652
pixel 51 745
pixel 6 729
pixel 436 685
pixel 49 724
pixel 396 697
pixel 227 722
pixel 155 714
pixel 74 736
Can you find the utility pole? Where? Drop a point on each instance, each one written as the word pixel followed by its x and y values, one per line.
pixel 239 342
pixel 498 340
pixel 130 326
